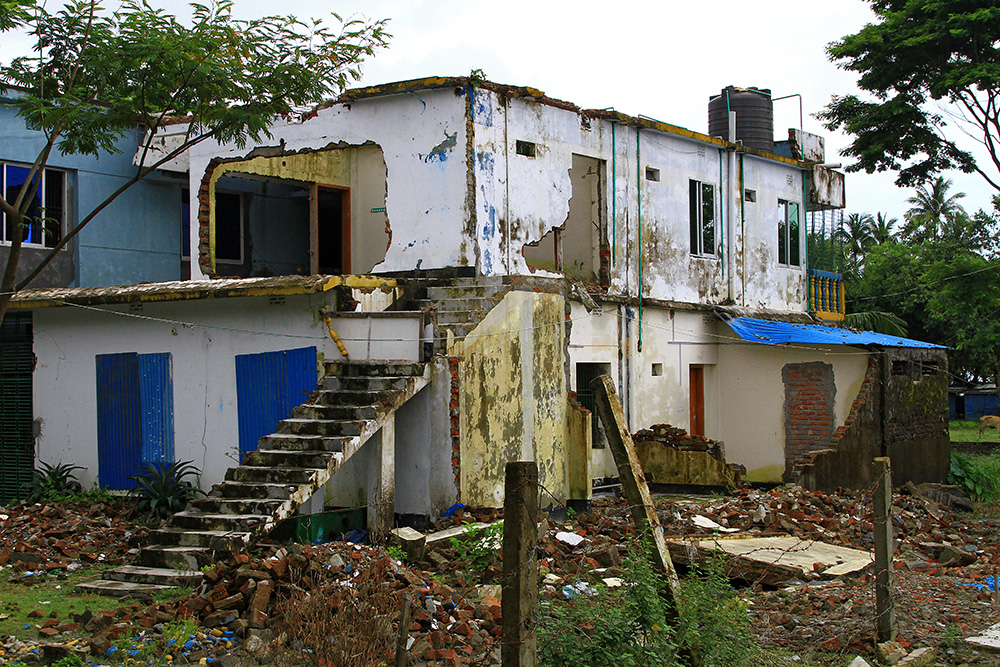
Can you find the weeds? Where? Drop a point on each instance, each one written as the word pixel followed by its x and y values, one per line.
pixel 329 622
pixel 627 626
pixel 478 547
pixel 978 475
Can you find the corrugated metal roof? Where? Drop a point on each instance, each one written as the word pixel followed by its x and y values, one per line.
pixel 776 333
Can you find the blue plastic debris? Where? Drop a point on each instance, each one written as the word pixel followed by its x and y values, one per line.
pixel 110 650
pixel 454 508
pixel 355 536
pixel 990 585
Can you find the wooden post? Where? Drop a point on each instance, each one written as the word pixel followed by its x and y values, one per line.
pixel 609 409
pixel 519 597
pixel 885 614
pixel 404 631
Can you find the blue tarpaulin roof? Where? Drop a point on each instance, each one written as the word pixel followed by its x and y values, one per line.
pixel 776 333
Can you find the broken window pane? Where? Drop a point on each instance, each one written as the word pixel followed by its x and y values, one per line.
pixel 702 211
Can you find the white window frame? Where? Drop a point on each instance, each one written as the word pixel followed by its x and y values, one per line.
pixel 42 196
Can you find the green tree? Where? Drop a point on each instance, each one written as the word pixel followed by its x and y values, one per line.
pixel 917 55
pixel 855 237
pixel 932 210
pixel 97 76
pixel 882 228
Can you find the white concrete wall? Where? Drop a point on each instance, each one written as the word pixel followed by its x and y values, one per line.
pixel 203 355
pixel 751 396
pixel 422 138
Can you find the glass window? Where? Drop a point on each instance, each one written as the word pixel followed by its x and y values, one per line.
pixel 788 233
pixel 46 213
pixel 702 211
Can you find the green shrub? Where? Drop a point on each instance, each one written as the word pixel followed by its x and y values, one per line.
pixel 478 547
pixel 161 490
pixel 978 475
pixel 53 483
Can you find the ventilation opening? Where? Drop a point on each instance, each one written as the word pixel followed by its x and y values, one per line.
pixel 929 368
pixel 657 369
pixel 525 148
pixel 750 196
pixel 652 174
pixel 900 367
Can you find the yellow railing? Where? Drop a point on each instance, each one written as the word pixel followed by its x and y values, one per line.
pixel 826 295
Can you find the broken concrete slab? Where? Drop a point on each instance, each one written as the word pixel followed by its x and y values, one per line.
pixel 411 540
pixel 987 639
pixel 120 589
pixel 773 560
pixel 160 576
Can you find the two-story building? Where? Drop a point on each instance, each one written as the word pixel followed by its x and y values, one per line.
pixel 509 248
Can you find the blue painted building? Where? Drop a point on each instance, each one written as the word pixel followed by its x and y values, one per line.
pixel 136 239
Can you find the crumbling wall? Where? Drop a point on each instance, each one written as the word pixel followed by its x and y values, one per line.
pixel 810 392
pixel 916 414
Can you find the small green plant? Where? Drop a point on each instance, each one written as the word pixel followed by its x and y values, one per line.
pixel 161 490
pixel 54 483
pixel 978 475
pixel 395 552
pixel 71 660
pixel 478 546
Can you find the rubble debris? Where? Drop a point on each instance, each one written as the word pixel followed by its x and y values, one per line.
pixel 670 455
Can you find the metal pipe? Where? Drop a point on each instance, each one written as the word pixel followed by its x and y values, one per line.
pixel 638 178
pixel 614 197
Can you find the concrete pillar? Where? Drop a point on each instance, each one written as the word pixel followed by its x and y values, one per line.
pixel 382 487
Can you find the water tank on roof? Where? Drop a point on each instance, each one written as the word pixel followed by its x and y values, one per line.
pixel 754 116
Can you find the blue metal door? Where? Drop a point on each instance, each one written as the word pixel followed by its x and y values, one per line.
pixel 135 415
pixel 268 386
pixel 119 422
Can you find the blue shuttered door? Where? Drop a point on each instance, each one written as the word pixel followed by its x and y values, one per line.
pixel 119 421
pixel 268 386
pixel 135 415
pixel 156 399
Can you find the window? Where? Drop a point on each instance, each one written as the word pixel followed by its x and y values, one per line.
pixel 525 148
pixel 702 201
pixel 652 174
pixel 45 215
pixel 788 233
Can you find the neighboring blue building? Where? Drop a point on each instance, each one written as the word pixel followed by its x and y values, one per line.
pixel 973 402
pixel 136 239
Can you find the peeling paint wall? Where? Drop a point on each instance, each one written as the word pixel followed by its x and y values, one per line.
pixel 421 136
pixel 513 400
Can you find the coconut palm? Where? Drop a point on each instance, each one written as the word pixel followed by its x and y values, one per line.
pixel 931 209
pixel 855 238
pixel 882 228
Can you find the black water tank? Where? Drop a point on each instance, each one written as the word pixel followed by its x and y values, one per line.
pixel 754 116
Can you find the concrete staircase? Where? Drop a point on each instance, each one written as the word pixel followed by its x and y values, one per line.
pixel 458 305
pixel 354 400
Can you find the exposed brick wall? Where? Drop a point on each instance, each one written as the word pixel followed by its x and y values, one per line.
pixel 809 419
pixel 455 414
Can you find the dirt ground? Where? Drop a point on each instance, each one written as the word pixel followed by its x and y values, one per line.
pixel 259 603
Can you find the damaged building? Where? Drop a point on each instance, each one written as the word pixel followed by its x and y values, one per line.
pixel 417 282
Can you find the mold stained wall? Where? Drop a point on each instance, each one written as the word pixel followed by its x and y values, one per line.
pixel 203 368
pixel 513 396
pixel 752 397
pixel 761 282
pixel 674 340
pixel 421 135
pixel 520 198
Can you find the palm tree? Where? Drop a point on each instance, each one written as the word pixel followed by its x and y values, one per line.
pixel 855 237
pixel 931 210
pixel 882 228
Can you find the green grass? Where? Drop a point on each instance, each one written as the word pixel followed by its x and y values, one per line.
pixel 968 431
pixel 50 594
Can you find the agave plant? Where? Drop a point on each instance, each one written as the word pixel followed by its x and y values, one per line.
pixel 53 482
pixel 161 489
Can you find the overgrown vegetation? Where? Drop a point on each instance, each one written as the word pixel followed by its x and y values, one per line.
pixel 161 490
pixel 978 475
pixel 627 626
pixel 478 548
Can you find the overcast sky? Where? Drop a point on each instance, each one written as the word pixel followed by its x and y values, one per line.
pixel 660 59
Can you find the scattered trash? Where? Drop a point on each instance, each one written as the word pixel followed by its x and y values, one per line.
pixel 571 539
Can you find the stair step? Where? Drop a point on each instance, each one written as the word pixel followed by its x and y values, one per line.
pixel 294 459
pixel 379 369
pixel 464 291
pixel 168 556
pixel 218 540
pixel 469 303
pixel 450 317
pixel 225 522
pixel 327 397
pixel 322 427
pixel 159 576
pixel 366 383
pixel 239 490
pixel 291 442
pixel 212 505
pixel 334 412
pixel 271 475
pixel 120 589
